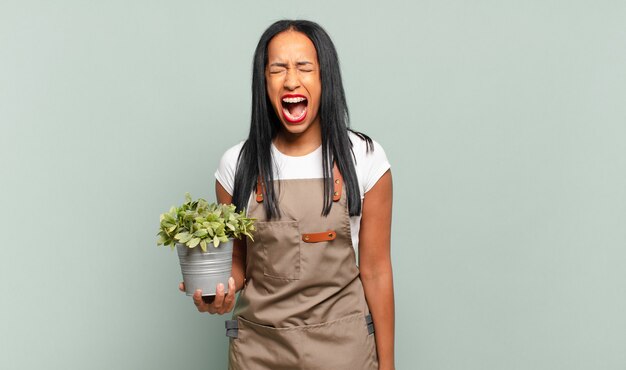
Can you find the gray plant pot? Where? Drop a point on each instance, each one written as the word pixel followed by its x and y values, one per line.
pixel 204 270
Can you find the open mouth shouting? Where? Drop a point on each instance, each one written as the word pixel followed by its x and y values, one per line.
pixel 294 107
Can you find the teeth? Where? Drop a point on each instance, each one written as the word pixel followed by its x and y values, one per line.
pixel 294 100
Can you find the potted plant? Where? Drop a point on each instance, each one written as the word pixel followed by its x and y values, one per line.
pixel 203 235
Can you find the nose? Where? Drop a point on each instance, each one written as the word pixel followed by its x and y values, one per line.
pixel 291 80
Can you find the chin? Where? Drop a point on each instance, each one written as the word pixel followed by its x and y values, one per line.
pixel 296 128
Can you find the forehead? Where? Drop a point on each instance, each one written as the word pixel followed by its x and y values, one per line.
pixel 291 45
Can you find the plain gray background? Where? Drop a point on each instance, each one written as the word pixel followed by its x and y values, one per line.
pixel 504 122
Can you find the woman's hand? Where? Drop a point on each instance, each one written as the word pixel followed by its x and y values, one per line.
pixel 222 303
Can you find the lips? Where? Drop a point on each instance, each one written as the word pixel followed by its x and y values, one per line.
pixel 294 107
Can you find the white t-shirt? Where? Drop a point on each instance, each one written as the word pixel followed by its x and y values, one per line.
pixel 369 169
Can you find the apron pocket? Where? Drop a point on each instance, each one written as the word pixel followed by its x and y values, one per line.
pixel 280 241
pixel 343 344
pixel 262 347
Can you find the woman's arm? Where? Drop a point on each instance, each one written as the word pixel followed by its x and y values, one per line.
pixel 375 266
pixel 224 303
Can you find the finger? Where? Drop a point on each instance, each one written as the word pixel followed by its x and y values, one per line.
pixel 219 297
pixel 181 286
pixel 197 300
pixel 230 297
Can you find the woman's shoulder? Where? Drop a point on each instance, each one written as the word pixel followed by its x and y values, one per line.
pixel 227 167
pixel 363 146
pixel 370 159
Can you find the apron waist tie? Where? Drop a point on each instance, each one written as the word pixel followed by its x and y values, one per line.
pixel 370 324
pixel 232 328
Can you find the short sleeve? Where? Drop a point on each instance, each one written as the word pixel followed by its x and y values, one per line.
pixel 377 165
pixel 370 165
pixel 225 173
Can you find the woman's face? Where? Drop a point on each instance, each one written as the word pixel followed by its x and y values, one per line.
pixel 293 81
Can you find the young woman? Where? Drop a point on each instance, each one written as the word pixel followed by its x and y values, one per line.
pixel 320 193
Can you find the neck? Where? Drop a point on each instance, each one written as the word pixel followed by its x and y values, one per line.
pixel 299 144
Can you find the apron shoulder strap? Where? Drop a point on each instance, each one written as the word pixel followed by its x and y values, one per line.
pixel 259 190
pixel 337 185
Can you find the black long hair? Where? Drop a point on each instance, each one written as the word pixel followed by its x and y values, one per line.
pixel 255 158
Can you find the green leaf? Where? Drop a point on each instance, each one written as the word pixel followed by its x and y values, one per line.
pixel 203 244
pixel 193 242
pixel 171 218
pixel 183 237
pixel 200 233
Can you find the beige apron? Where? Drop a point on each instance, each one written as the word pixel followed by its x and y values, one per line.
pixel 302 306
